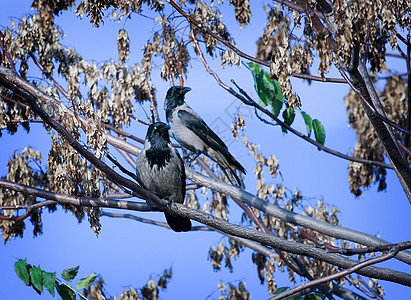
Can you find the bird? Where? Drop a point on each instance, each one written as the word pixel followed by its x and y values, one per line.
pixel 160 169
pixel 192 133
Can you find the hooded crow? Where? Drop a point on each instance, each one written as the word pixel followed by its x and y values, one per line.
pixel 160 170
pixel 192 133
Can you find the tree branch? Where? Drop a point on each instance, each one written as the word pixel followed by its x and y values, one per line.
pixel 362 83
pixel 74 200
pixel 151 222
pixel 48 75
pixel 336 289
pixel 240 53
pixel 248 101
pixel 299 269
pixel 292 217
pixel 6 53
pixel 340 274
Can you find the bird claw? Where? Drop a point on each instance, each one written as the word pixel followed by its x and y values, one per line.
pixel 195 155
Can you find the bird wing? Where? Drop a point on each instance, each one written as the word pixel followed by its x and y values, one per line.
pixel 201 129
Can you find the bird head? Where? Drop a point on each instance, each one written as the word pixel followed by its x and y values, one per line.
pixel 175 97
pixel 158 130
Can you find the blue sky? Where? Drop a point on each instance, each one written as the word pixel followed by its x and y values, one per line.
pixel 127 253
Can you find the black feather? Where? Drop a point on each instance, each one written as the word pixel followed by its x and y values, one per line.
pixel 197 125
pixel 178 224
pixel 158 156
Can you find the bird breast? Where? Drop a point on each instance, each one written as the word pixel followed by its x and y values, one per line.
pixel 164 180
pixel 187 138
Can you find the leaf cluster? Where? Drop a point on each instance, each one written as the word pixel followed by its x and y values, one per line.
pixel 269 94
pixel 39 279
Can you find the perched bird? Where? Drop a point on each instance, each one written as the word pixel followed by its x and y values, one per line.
pixel 192 133
pixel 160 170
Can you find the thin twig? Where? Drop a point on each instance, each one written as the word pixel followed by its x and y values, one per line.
pixel 24 121
pixel 372 292
pixel 48 75
pixel 363 288
pixel 122 169
pixel 179 68
pixel 271 115
pixel 29 210
pixel 244 55
pixel 405 149
pixel 147 221
pixel 6 53
pixel 128 158
pixel 369 105
pixel 340 274
pixel 123 133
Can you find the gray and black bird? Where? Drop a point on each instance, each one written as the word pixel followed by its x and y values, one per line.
pixel 189 129
pixel 160 170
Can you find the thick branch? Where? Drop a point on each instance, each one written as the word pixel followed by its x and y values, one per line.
pixel 362 83
pixel 337 275
pixel 299 269
pixel 291 217
pixel 82 201
pixel 288 246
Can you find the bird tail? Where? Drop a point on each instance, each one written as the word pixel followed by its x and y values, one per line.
pixel 233 177
pixel 178 224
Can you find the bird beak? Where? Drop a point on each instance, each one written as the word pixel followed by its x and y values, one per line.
pixel 185 90
pixel 164 128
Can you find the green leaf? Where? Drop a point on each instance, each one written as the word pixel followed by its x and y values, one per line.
pixel 268 90
pixel 319 132
pixel 49 280
pixel 278 99
pixel 308 122
pixel 22 271
pixel 280 290
pixel 85 282
pixel 254 69
pixel 289 115
pixel 65 292
pixel 36 275
pixel 69 274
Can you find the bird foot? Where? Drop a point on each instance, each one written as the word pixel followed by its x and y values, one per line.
pixel 195 155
